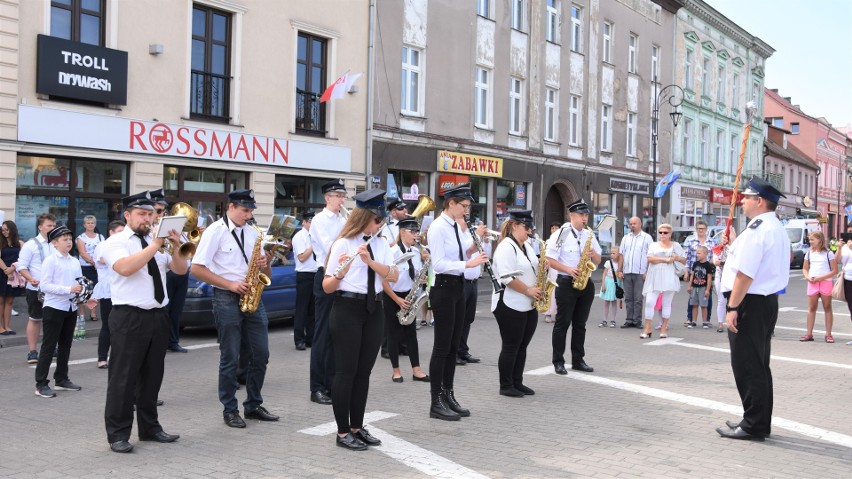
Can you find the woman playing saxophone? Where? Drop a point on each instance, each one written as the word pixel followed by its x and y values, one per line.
pixel 513 307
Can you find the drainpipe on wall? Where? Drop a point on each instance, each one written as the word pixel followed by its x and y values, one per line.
pixel 368 160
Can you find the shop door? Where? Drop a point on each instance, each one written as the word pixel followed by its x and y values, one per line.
pixel 554 208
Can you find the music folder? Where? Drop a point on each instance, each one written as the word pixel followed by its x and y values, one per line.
pixel 168 223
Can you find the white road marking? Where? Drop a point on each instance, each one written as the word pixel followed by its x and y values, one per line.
pixel 403 451
pixel 793 426
pixel 93 360
pixel 677 342
pixel 816 331
pixel 791 309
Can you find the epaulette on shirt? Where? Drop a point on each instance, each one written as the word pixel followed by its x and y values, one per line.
pixel 755 224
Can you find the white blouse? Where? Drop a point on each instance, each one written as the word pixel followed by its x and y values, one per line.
pixel 355 280
pixel 509 257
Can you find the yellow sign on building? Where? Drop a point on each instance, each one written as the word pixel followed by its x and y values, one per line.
pixel 467 164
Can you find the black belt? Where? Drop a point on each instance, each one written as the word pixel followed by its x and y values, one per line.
pixel 347 294
pixel 448 277
pixel 564 277
pixel 136 308
pixel 472 281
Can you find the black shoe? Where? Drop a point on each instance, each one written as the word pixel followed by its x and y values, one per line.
pixel 460 361
pixel 177 348
pixel 738 433
pixel 450 399
pixel 511 392
pixel 320 397
pixel 241 380
pixel 364 436
pixel 527 391
pixel 350 442
pixel 385 354
pixel 233 419
pixel 424 379
pixel 440 410
pixel 560 368
pixel 261 414
pixel 628 324
pixel 300 347
pixel 397 380
pixel 160 402
pixel 638 325
pixel 732 424
pixel 467 357
pixel 161 436
pixel 121 446
pixel 582 366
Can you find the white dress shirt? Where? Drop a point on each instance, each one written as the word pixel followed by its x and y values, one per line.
pixel 325 228
pixel 301 242
pixel 32 255
pixel 404 283
pixel 138 288
pixel 634 251
pixel 104 274
pixel 390 230
pixel 355 280
pixel 444 246
pixel 509 257
pixel 219 251
pixel 761 252
pixel 572 246
pixel 467 243
pixel 59 273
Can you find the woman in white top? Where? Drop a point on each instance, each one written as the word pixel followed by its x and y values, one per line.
pixel 513 307
pixel 819 267
pixel 719 261
pixel 86 244
pixel 103 295
pixel 661 279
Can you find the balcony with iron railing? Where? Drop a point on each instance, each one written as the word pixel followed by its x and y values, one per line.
pixel 210 97
pixel 310 113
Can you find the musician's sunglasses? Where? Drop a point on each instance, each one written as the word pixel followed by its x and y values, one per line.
pixel 378 220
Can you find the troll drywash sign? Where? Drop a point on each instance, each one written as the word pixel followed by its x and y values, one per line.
pixel 80 71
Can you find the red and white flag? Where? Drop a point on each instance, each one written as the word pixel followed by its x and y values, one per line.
pixel 338 89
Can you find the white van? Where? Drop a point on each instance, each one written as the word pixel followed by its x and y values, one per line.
pixel 798 231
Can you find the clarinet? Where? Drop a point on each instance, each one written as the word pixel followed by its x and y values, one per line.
pixel 494 283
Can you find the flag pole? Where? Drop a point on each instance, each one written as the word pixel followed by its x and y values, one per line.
pixel 751 108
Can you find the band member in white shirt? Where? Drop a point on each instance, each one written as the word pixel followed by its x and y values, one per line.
pixel 326 226
pixel 176 284
pixel 447 299
pixel 222 260
pixel 471 286
pixel 59 275
pixel 513 307
pixel 139 324
pixel 572 305
pixel 32 256
pixel 395 293
pixel 355 322
pixel 398 210
pixel 306 270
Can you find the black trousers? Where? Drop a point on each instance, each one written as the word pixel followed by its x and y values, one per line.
pixel 103 336
pixel 399 334
pixel 176 285
pixel 322 356
pixel 57 328
pixel 447 298
pixel 750 351
pixel 356 336
pixel 303 323
pixel 516 332
pixel 572 309
pixel 139 339
pixel 471 296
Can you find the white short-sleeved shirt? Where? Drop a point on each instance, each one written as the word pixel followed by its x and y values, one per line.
pixel 467 242
pixel 104 274
pixel 219 251
pixel 301 242
pixel 819 263
pixel 59 274
pixel 404 284
pixel 325 228
pixel 444 246
pixel 509 257
pixel 138 288
pixel 845 263
pixel 572 247
pixel 355 280
pixel 32 255
pixel 761 252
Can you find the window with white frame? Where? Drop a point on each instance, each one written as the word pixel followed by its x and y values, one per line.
pixel 688 69
pixel 607 42
pixel 632 41
pixel 482 98
pixel 483 8
pixel 518 9
pixel 720 84
pixel 794 128
pixel 412 85
pixel 704 138
pixel 552 31
pixel 631 134
pixel 686 154
pixel 516 122
pixel 550 117
pixel 655 62
pixel 606 128
pixel 705 77
pixel 735 90
pixel 576 28
pixel 574 121
pixel 720 150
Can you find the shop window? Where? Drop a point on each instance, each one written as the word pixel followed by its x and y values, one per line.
pixel 648 216
pixel 296 194
pixel 601 206
pixel 78 20
pixel 211 64
pixel 479 209
pixel 204 189
pixel 409 185
pixel 511 195
pixel 310 84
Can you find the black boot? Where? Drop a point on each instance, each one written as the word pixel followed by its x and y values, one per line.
pixel 440 410
pixel 450 399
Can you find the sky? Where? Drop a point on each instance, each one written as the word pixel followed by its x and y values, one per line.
pixel 812 39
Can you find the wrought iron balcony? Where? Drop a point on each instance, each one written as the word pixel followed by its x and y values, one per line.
pixel 210 96
pixel 310 113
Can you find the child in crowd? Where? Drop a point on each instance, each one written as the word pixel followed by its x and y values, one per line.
pixel 608 288
pixel 700 279
pixel 59 274
pixel 818 269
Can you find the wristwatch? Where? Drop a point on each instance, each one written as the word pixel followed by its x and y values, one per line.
pixel 729 308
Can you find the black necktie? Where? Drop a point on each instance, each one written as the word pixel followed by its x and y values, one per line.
pixel 154 271
pixel 458 239
pixel 312 252
pixel 410 268
pixel 371 282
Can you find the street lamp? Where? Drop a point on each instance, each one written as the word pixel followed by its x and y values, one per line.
pixel 673 95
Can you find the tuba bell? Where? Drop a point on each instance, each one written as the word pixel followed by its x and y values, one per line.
pixel 187 248
pixel 424 205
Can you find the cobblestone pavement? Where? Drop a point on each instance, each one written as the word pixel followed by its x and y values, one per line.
pixel 648 410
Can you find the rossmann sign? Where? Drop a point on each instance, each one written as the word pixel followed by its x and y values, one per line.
pixel 84 72
pixel 84 130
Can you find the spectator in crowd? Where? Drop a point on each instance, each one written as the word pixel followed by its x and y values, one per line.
pixel 819 267
pixel 700 278
pixel 607 294
pixel 33 254
pixel 86 244
pixel 690 246
pixel 103 295
pixel 844 264
pixel 11 282
pixel 662 278
pixel 719 262
pixel 632 268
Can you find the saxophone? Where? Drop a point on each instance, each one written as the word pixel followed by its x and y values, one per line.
pixel 585 266
pixel 256 279
pixel 541 281
pixel 414 297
